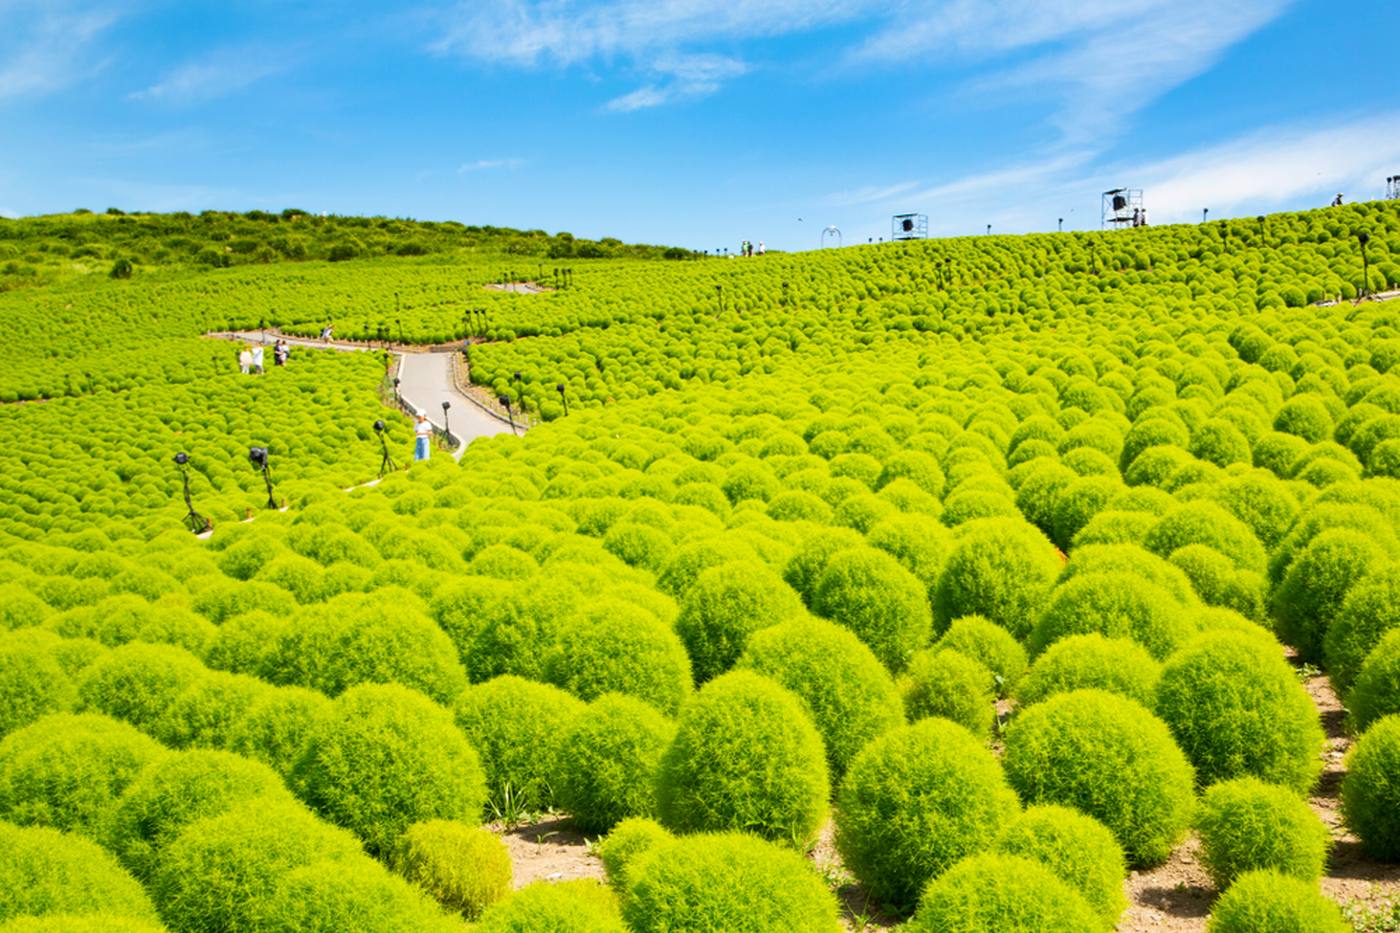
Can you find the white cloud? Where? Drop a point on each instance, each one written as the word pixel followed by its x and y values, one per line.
pixel 486 165
pixel 1101 61
pixel 869 194
pixel 45 47
pixel 656 38
pixel 1270 168
pixel 680 77
pixel 220 73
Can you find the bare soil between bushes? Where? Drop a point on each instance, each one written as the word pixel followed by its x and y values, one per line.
pixel 1174 897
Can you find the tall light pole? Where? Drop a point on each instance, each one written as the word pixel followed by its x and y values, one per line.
pixel 1363 238
pixel 198 523
pixel 258 457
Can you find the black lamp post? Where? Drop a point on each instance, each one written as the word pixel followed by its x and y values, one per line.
pixel 563 398
pixel 989 229
pixel 510 414
pixel 387 464
pixel 399 321
pixel 257 456
pixel 1262 230
pixel 396 390
pixel 446 425
pixel 198 523
pixel 1062 225
pixel 1363 238
pixel 719 297
pixel 520 390
pixel 1205 212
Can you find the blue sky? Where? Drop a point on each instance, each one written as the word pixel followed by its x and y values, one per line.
pixel 696 122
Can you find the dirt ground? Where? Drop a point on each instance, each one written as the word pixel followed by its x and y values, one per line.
pixel 1174 897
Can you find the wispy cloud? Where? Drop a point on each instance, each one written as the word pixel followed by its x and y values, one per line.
pixel 47 46
pixel 486 165
pixel 1101 61
pixel 680 77
pixel 869 194
pixel 664 41
pixel 218 74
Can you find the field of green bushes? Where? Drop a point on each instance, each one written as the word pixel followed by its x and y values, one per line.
pixel 995 566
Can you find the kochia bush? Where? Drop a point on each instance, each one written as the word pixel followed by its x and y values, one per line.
pixel 67 771
pixel 916 800
pixel 1116 605
pixel 849 694
pixel 994 893
pixel 1079 662
pixel 745 756
pixel 583 906
pixel 990 645
pixel 1001 569
pixel 465 868
pixel 1110 758
pixel 724 606
pixel 951 685
pixel 727 881
pixel 1376 692
pixel 1370 610
pixel 607 761
pixel 1269 902
pixel 616 647
pixel 513 724
pixel 624 846
pixel 1236 709
pixel 870 593
pixel 45 871
pixel 1370 791
pixel 341 894
pixel 1077 849
pixel 1246 824
pixel 386 757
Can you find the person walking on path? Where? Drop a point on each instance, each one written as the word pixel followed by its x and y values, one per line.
pixel 258 359
pixel 279 353
pixel 245 360
pixel 423 433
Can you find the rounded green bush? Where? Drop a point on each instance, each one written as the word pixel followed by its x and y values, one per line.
pixel 616 647
pixel 464 868
pixel 724 606
pixel 1219 582
pixel 205 713
pixel 805 567
pixel 514 724
pixel 139 682
pixel 1371 789
pixel 45 871
pixel 849 694
pixel 174 791
pixel 1221 443
pixel 1370 610
pixel 990 645
pixel 625 845
pixel 1269 902
pixel 995 893
pixel 1246 824
pixel 1317 582
pixel 583 906
pixel 745 756
pixel 1081 662
pixel 1376 692
pixel 1116 605
pixel 357 638
pixel 869 592
pixel 1109 758
pixel 951 685
pixel 916 800
pixel 67 771
pixel 243 643
pixel 1077 849
pixel 1001 569
pixel 607 761
pixel 1305 416
pixel 727 881
pixel 32 684
pixel 276 726
pixel 1208 523
pixel 221 872
pixel 342 894
pixel 386 757
pixel 1237 709
pixel 917 543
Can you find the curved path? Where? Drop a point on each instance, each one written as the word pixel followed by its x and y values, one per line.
pixel 425 382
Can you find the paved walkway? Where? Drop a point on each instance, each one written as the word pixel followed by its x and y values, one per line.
pixel 425 382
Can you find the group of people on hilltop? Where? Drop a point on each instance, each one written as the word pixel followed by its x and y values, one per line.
pixel 746 248
pixel 250 358
pixel 1139 217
